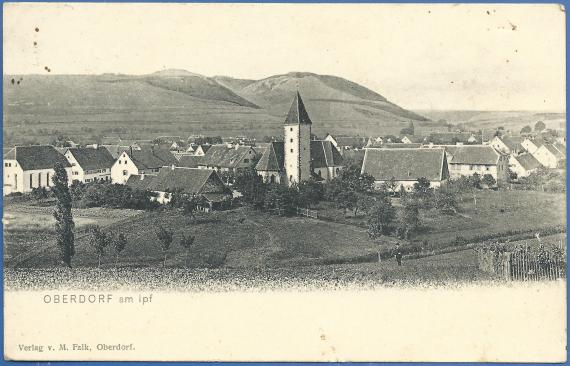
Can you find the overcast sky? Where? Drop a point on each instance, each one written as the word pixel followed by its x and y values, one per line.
pixel 484 57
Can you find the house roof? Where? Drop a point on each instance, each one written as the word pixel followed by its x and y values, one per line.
pixel 414 138
pixel 404 164
pixel 151 158
pixel 324 154
pixel 354 141
pixel 527 161
pixel 560 147
pixel 116 150
pixel 37 157
pixel 472 154
pixel 190 161
pixel 90 159
pixel 297 113
pixel 224 156
pixel 187 180
pixel 136 182
pixel 394 145
pixel 441 138
pixel 513 142
pixel 273 158
pixel 557 153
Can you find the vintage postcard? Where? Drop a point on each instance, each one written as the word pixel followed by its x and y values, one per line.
pixel 284 182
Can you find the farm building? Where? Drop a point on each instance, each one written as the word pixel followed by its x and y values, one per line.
pixel 201 150
pixel 466 160
pixel 90 164
pixel 508 144
pixel 202 183
pixel 405 166
pixel 524 164
pixel 346 142
pixel 139 162
pixel 228 158
pixel 551 155
pixel 28 167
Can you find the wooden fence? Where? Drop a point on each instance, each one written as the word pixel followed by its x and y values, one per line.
pixel 308 213
pixel 522 265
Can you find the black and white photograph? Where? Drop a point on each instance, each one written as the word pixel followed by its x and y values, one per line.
pixel 284 182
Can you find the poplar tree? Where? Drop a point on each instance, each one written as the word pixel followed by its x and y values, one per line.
pixel 64 225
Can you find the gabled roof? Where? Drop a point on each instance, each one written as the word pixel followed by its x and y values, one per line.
pixel 151 158
pixel 297 113
pixel 554 151
pixel 472 154
pixel 353 141
pixel 91 159
pixel 405 164
pixel 224 156
pixel 37 157
pixel 513 142
pixel 190 161
pixel 136 182
pixel 273 158
pixel 415 139
pixel 324 154
pixel 187 180
pixel 116 150
pixel 527 161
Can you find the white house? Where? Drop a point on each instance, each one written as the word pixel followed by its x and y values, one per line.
pixel 90 164
pixel 201 150
pixel 524 164
pixel 508 144
pixel 140 162
pixel 28 167
pixel 406 166
pixel 550 156
pixel 466 160
pixel 531 145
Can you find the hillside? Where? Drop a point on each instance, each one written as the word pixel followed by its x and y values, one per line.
pixel 37 107
pixel 513 121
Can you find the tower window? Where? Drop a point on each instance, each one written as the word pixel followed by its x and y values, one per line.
pixel 291 150
pixel 291 129
pixel 291 140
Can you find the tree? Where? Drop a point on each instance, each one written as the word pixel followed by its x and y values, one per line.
pixel 346 200
pixel 423 193
pixel 165 238
pixel 445 201
pixel 409 130
pixel 380 217
pixel 186 242
pixel 409 218
pixel 526 129
pixel 539 126
pixel 64 225
pixel 251 186
pixel 310 192
pixel 119 244
pixel 391 185
pixel 99 241
pixel 488 180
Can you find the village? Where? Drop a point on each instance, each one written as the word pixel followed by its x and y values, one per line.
pixel 295 199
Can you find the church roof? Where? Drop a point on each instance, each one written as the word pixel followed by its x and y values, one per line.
pixel 323 154
pixel 273 158
pixel 297 113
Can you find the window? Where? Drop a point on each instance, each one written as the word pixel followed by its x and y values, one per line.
pixel 291 129
pixel 487 168
pixel 47 179
pixel 291 178
pixel 31 176
pixel 125 172
pixel 7 164
pixel 39 179
pixel 291 140
pixel 470 167
pixel 291 150
pixel 87 180
pixel 15 181
pixel 75 173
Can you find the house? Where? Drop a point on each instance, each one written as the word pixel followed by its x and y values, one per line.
pixel 227 157
pixel 531 145
pixel 453 138
pixel 90 164
pixel 466 160
pixel 115 150
pixel 140 162
pixel 28 167
pixel 412 139
pixel 508 144
pixel 190 161
pixel 524 164
pixel 202 183
pixel 201 150
pixel 347 142
pixel 551 155
pixel 405 166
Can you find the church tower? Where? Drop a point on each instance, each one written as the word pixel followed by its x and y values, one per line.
pixel 297 142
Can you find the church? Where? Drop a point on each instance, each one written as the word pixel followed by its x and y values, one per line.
pixel 299 158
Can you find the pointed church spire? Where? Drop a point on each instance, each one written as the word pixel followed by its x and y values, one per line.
pixel 297 113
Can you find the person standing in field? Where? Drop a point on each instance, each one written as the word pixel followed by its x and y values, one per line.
pixel 398 254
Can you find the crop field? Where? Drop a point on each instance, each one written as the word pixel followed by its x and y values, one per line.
pixel 443 270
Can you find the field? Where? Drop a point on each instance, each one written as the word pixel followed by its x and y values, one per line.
pixel 442 270
pixel 494 212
